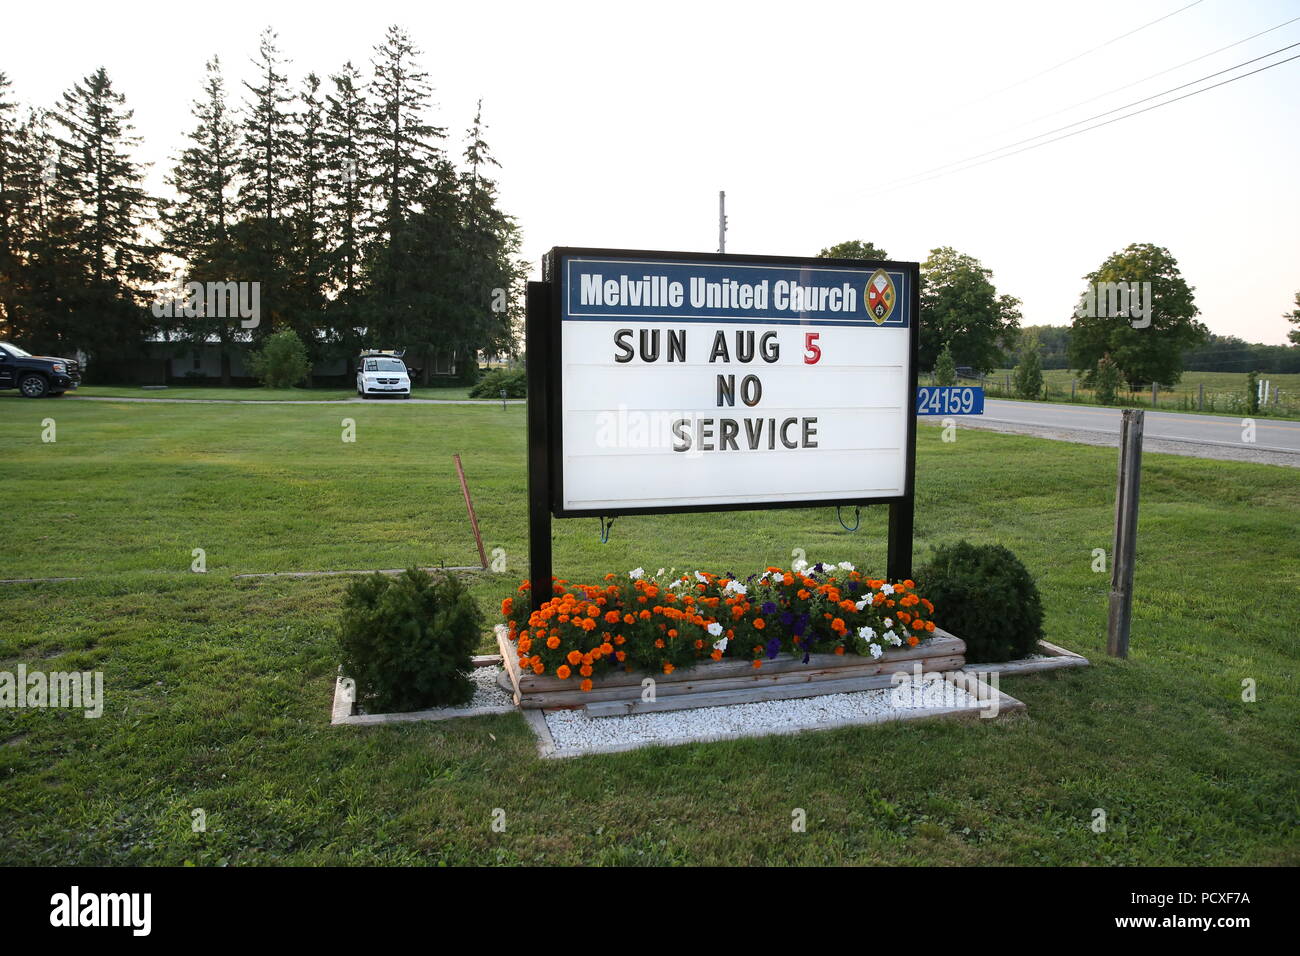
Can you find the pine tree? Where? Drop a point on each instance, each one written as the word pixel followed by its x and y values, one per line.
pixel 50 270
pixel 492 271
pixel 411 176
pixel 268 145
pixel 1029 371
pixel 1107 379
pixel 945 370
pixel 307 262
pixel 349 175
pixel 198 225
pixel 102 184
pixel 11 200
pixel 407 145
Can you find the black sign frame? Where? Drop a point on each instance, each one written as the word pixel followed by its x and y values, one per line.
pixel 542 343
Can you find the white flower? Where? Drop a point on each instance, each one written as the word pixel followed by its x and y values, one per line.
pixel 701 578
pixel 799 565
pixel 893 638
pixel 735 587
pixel 866 633
pixel 636 573
pixel 876 651
pixel 720 645
pixel 715 629
pixel 866 601
pixel 889 622
pixel 676 583
pixel 845 566
pixel 886 589
pixel 660 574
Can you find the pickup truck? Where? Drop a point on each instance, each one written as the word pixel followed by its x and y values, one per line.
pixel 37 376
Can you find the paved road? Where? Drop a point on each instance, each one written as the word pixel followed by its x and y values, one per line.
pixel 1270 435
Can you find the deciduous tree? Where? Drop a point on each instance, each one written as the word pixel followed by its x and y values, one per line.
pixel 1143 353
pixel 961 308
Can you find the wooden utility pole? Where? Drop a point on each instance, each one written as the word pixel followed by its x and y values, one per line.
pixel 1125 545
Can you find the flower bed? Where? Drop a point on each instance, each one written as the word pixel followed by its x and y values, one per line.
pixel 656 624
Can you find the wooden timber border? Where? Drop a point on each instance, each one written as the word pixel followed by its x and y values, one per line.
pixel 716 683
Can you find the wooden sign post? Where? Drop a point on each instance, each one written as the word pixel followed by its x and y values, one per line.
pixel 1125 545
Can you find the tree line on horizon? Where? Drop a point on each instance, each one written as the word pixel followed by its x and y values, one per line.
pixel 966 322
pixel 340 197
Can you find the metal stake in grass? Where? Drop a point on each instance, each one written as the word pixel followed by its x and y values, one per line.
pixel 1125 546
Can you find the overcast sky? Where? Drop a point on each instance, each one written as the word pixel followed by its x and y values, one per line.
pixel 617 124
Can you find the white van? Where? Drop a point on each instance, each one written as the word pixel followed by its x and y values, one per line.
pixel 382 373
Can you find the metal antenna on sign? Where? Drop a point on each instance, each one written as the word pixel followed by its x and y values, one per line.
pixel 857 518
pixel 606 526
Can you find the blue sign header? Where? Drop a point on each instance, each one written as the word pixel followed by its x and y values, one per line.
pixel 609 289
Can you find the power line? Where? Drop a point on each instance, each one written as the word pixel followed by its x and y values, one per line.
pixel 1118 89
pixel 1101 46
pixel 1089 119
pixel 1100 125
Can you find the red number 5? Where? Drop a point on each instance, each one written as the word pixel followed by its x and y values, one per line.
pixel 811 348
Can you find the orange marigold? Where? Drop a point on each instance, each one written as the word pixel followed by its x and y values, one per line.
pixel 563 672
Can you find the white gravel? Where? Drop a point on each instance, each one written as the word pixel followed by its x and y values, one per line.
pixel 487 692
pixel 574 732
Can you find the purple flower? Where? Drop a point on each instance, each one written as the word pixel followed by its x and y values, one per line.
pixel 769 608
pixel 773 648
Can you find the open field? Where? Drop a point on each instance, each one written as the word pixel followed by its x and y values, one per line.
pixel 1225 392
pixel 217 691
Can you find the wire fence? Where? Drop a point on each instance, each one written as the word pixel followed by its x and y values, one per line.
pixel 1216 397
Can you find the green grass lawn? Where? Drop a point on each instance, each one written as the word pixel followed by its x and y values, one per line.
pixel 204 392
pixel 218 691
